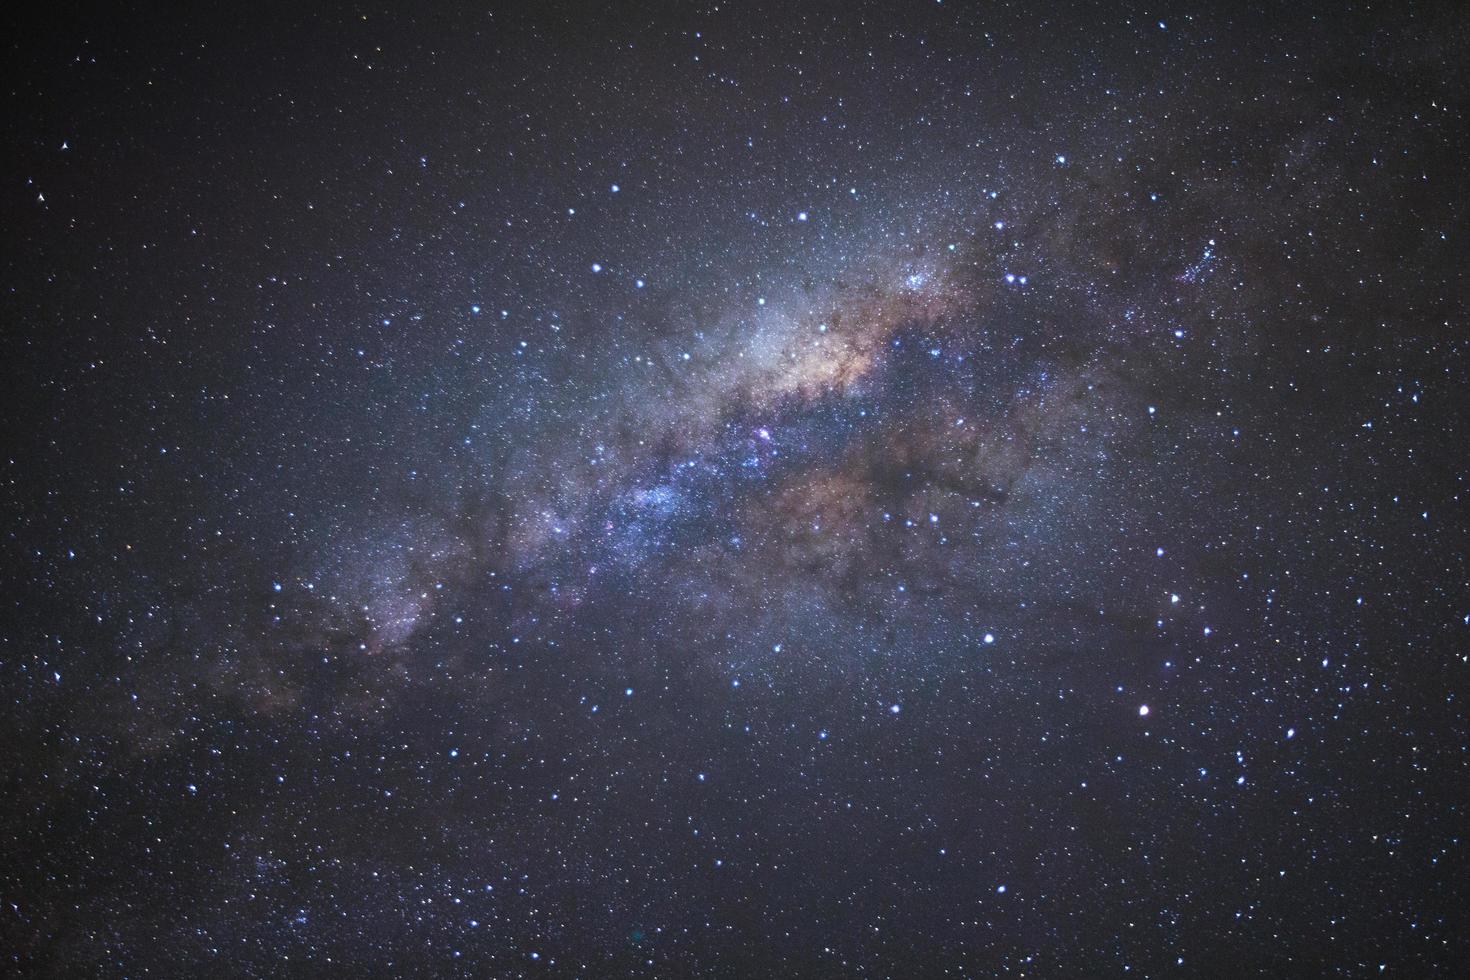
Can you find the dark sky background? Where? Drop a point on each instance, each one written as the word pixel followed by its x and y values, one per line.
pixel 823 489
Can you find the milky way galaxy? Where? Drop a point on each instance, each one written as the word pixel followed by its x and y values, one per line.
pixel 838 490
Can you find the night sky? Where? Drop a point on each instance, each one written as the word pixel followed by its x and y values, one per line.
pixel 821 489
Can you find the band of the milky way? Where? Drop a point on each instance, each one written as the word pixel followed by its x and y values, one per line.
pixel 710 490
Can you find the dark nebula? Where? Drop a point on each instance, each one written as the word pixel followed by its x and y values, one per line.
pixel 834 489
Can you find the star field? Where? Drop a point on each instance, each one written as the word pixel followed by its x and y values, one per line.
pixel 892 490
